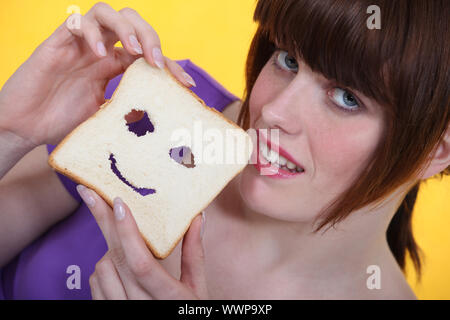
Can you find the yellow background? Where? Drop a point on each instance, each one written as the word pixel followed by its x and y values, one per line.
pixel 216 36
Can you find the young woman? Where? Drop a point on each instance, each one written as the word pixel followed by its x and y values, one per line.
pixel 364 114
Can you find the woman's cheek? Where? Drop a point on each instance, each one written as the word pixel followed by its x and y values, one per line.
pixel 263 91
pixel 343 153
pixel 255 104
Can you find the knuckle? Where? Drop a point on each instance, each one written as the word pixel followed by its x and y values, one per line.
pixel 100 5
pixel 102 267
pixel 142 268
pixel 124 27
pixel 118 257
pixel 128 11
pixel 148 28
pixel 92 279
pixel 156 39
pixel 95 10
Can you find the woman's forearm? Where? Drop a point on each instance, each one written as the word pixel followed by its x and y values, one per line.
pixel 12 149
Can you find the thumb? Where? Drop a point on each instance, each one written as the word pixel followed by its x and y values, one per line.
pixel 193 259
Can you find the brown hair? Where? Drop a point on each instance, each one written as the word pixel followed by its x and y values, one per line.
pixel 403 66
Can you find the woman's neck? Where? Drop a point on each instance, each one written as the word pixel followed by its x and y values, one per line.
pixel 339 255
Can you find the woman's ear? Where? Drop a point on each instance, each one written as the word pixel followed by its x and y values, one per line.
pixel 441 158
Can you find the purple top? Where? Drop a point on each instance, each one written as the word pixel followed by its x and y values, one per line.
pixel 58 264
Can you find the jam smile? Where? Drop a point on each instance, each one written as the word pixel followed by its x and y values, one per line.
pixel 141 191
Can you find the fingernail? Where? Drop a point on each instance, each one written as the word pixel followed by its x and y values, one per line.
pixel 119 209
pixel 158 57
pixel 85 195
pixel 202 229
pixel 189 79
pixel 101 49
pixel 135 44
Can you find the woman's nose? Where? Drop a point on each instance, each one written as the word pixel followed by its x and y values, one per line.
pixel 282 112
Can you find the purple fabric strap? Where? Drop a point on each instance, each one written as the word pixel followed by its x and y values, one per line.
pixel 43 269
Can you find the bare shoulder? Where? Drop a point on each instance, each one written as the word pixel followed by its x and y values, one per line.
pixel 231 111
pixel 392 285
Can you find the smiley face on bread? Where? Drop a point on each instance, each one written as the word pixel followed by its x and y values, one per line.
pixel 127 149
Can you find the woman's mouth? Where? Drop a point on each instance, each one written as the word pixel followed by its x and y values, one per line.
pixel 271 163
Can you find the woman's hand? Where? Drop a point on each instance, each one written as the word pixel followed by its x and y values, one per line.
pixel 63 82
pixel 129 270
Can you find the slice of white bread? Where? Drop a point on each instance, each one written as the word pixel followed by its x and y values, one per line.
pixel 181 192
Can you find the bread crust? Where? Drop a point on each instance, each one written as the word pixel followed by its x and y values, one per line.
pixel 79 180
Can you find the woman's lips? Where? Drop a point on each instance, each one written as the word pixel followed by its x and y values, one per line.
pixel 276 148
pixel 264 167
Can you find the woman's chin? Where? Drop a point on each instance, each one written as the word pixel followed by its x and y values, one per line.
pixel 261 198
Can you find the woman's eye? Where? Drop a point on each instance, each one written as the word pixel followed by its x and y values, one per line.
pixel 344 99
pixel 287 62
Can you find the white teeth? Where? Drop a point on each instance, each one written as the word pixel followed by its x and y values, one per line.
pixel 264 150
pixel 276 159
pixel 283 160
pixel 290 165
pixel 273 156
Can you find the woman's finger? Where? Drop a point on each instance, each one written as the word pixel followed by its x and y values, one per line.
pixel 146 36
pixel 96 291
pixel 109 280
pixel 120 61
pixel 90 32
pixel 103 216
pixel 179 73
pixel 193 259
pixel 110 19
pixel 148 272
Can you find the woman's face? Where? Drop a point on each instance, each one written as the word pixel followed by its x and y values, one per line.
pixel 330 131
